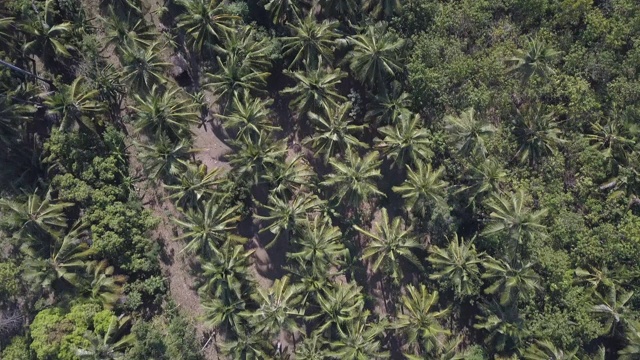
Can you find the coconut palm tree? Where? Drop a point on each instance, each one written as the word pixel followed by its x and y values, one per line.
pixel 204 22
pixel 286 217
pixel 13 118
pixel 354 178
pixel 510 283
pixel 279 308
pixel 375 57
pixel 504 325
pixel 164 113
pixel 315 90
pixel 458 265
pixel 143 66
pixel 423 188
pixel 468 134
pixel 340 304
pixel 107 80
pixel 164 160
pixel 248 345
pixel 46 38
pixel 614 140
pixel 419 320
pixel 251 49
pixel 207 227
pixel 381 9
pixel 290 177
pixel 389 244
pixel 131 31
pixel 544 350
pixel 249 116
pixel 359 340
pixel 334 131
pixel 311 42
pixel 318 246
pixel 405 142
pixel 386 107
pixel 36 217
pixel 75 104
pixel 234 77
pixel 612 308
pixel 256 158
pixel 194 186
pixel 105 287
pixel 344 9
pixel 537 133
pixel 632 349
pixel 283 11
pixel 313 347
pixel 511 217
pixel 485 178
pixel 124 6
pixel 111 345
pixel 534 59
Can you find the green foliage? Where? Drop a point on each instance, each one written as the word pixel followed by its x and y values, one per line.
pixel 18 349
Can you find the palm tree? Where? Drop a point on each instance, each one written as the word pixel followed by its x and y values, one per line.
pixel 311 42
pixel 283 11
pixel 107 80
pixel 318 246
pixel 13 118
pixel 340 304
pixel 375 57
pixel 354 178
pixel 389 244
pixel 194 186
pixel 596 277
pixel 256 157
pixel 287 217
pixel 47 39
pixel 406 142
pixel 614 140
pixel 344 9
pixel 381 9
pixel 422 188
pixel 105 287
pixel 333 131
pixel 503 324
pixel 313 347
pixel 164 113
pixel 143 67
pixel 111 345
pixel 632 350
pixel 278 308
pixel 544 350
pixel 537 133
pixel 387 107
pixel 249 115
pixel 458 265
pixel 207 227
pixel 164 160
pixel 35 217
pixel 511 283
pixel 419 321
pixel 612 308
pixel 510 216
pixel 360 340
pixel 248 46
pixel 468 134
pixel 534 59
pixel 226 272
pixel 74 104
pixel 247 345
pixel 235 77
pixel 486 178
pixel 290 177
pixel 124 6
pixel 205 23
pixel 131 31
pixel 315 90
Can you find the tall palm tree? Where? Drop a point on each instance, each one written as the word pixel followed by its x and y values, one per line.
pixel 109 346
pixel 107 80
pixel 511 283
pixel 422 188
pixel 249 115
pixel 283 11
pixel 131 31
pixel 537 133
pixel 544 350
pixel 375 57
pixel 46 38
pixel 143 66
pixel 612 308
pixel 290 177
pixel 632 349
pixel 311 42
pixel 164 113
pixel 279 308
pixel 354 179
pixel 405 142
pixel 419 320
pixel 534 59
pixel 359 340
pixel 381 9
pixel 194 186
pixel 510 216
pixel 458 265
pixel 36 217
pixel 226 272
pixel 334 131
pixel 315 90
pixel 344 9
pixel 386 107
pixel 485 178
pixel 204 22
pixel 504 325
pixel 235 77
pixel 468 133
pixel 248 46
pixel 105 287
pixel 313 347
pixel 247 345
pixel 164 160
pixel 318 246
pixel 614 140
pixel 207 227
pixel 286 217
pixel 340 304
pixel 256 157
pixel 13 120
pixel 389 244
pixel 75 104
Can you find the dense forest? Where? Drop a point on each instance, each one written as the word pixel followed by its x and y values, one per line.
pixel 319 179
